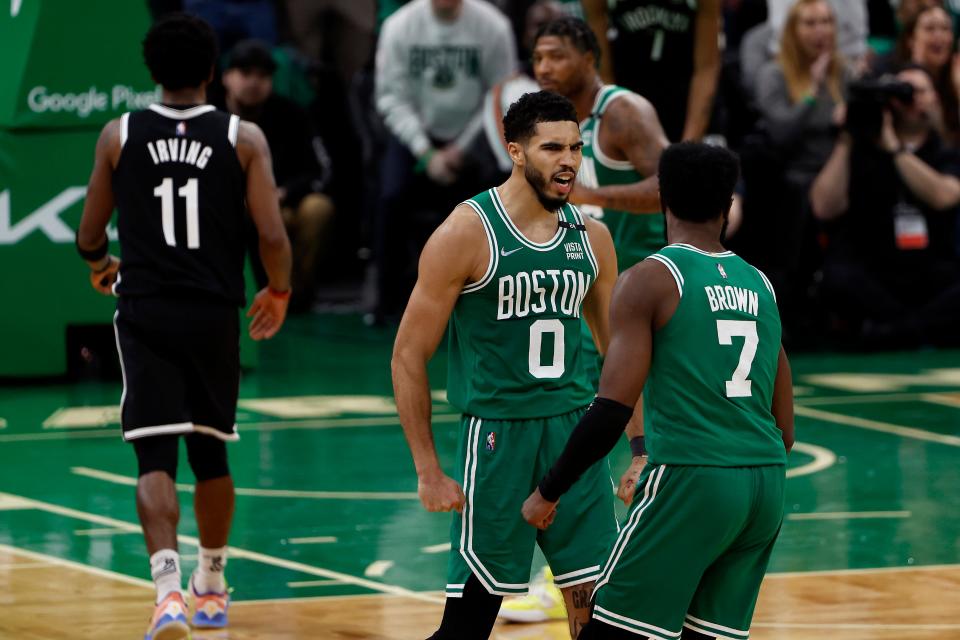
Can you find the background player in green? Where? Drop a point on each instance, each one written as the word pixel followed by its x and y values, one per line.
pixel 697 330
pixel 617 182
pixel 511 269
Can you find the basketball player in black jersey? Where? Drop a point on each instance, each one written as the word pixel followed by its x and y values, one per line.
pixel 183 176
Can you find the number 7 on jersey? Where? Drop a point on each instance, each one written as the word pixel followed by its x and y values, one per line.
pixel 739 386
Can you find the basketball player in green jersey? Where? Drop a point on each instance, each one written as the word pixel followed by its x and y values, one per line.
pixel 696 329
pixel 512 270
pixel 622 139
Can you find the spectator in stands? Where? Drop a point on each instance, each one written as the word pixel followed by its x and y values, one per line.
pixel 491 145
pixel 927 41
pixel 436 60
pixel 666 51
pixel 761 44
pixel 891 201
pixel 337 33
pixel 301 164
pixel 800 98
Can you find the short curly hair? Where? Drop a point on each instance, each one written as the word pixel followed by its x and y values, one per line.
pixel 520 122
pixel 180 51
pixel 697 180
pixel 576 30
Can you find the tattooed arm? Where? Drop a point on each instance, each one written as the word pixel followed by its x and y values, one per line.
pixel 630 132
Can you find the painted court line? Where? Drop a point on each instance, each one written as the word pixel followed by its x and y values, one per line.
pixel 848 515
pixel 436 548
pixel 106 531
pixel 861 398
pixel 235 552
pixel 312 583
pixel 313 540
pixel 79 566
pixel 823 458
pixel 874 425
pixel 277 425
pixel 378 568
pixel 130 481
pixel 851 626
pixel 867 571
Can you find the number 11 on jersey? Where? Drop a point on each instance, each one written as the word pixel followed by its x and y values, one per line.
pixel 188 192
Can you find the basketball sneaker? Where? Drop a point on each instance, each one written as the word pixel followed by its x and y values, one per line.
pixel 210 609
pixel 169 619
pixel 543 603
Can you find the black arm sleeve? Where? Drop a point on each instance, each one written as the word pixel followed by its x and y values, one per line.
pixel 594 436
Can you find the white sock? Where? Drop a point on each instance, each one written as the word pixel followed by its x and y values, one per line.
pixel 208 578
pixel 165 570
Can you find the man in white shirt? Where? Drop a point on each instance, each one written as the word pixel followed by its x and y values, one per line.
pixel 436 60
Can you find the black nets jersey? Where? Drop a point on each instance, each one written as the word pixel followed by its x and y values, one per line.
pixel 653 54
pixel 179 189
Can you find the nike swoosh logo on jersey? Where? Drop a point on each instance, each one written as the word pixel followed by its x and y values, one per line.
pixel 505 253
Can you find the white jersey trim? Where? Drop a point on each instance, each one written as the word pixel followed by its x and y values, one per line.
pixel 233 130
pixel 603 158
pixel 124 128
pixel 180 427
pixel 491 245
pixel 649 495
pixel 644 627
pixel 182 114
pixel 466 530
pixel 767 282
pixel 530 244
pixel 712 633
pixel 672 268
pixel 578 216
pixel 718 627
pixel 690 247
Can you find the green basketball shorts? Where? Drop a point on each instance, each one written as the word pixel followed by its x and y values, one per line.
pixel 692 552
pixel 500 463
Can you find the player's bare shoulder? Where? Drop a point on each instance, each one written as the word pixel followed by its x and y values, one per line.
pixel 251 142
pixel 110 141
pixel 459 244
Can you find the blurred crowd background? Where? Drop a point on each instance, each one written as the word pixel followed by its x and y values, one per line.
pixel 382 115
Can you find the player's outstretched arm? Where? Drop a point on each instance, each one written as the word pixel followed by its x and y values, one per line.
pixel 92 242
pixel 454 255
pixel 783 399
pixel 632 125
pixel 643 300
pixel 269 308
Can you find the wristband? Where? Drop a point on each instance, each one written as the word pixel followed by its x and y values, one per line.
pixel 92 255
pixel 423 161
pixel 637 447
pixel 280 295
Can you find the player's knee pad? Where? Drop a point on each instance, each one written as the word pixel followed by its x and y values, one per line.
pixel 157 453
pixel 690 634
pixel 207 456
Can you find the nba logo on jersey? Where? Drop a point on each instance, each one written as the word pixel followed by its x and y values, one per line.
pixel 491 441
pixel 722 272
pixel 181 128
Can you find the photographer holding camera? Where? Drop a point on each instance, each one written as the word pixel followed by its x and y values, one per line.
pixel 889 192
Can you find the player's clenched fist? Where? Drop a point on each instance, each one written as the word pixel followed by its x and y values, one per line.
pixel 539 511
pixel 440 492
pixel 103 278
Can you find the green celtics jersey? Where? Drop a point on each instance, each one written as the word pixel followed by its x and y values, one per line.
pixel 515 344
pixel 634 236
pixel 709 393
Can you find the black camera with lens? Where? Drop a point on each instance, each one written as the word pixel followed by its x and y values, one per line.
pixel 867 101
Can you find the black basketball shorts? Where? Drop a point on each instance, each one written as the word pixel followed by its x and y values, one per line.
pixel 180 360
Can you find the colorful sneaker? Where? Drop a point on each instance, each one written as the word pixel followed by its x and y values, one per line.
pixel 210 609
pixel 543 603
pixel 169 620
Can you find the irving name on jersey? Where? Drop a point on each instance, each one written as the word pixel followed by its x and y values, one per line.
pixel 179 150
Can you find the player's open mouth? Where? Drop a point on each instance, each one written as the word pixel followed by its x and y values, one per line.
pixel 564 181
